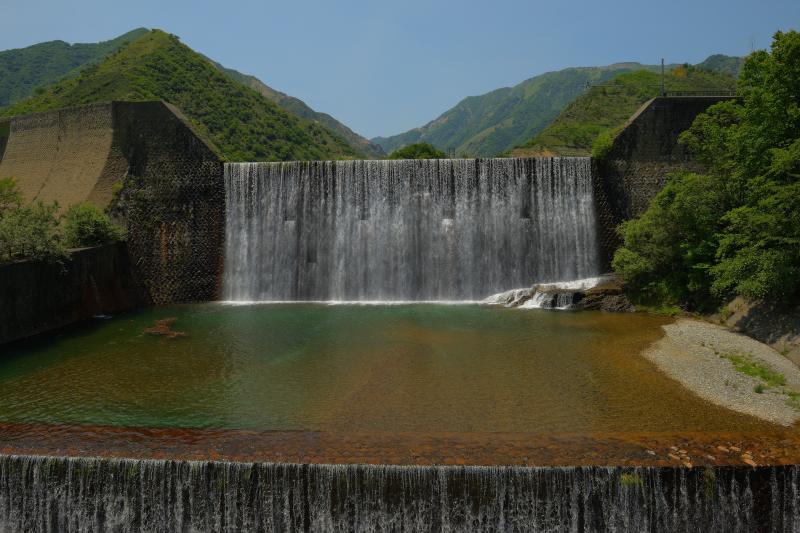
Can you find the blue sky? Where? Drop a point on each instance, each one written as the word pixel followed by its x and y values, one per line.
pixel 383 67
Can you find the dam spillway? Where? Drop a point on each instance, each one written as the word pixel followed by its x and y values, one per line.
pixel 87 494
pixel 406 230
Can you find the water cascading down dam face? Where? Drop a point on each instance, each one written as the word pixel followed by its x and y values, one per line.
pixel 87 494
pixel 406 230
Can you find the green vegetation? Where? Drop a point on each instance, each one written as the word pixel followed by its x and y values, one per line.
pixel 418 151
pixel 590 123
pixel 297 107
pixel 629 479
pixel 736 230
pixel 27 231
pixel 722 64
pixel 35 231
pixel 496 122
pixel 747 365
pixel 86 225
pixel 770 379
pixel 239 121
pixel 27 70
pixel 793 400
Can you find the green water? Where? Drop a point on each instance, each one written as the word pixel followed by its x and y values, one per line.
pixel 459 368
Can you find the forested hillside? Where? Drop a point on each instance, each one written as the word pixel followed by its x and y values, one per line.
pixel 606 108
pixel 24 70
pixel 157 66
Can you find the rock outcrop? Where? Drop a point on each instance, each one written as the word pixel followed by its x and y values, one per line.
pixel 604 293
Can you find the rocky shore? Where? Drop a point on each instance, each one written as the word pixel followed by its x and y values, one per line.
pixel 729 369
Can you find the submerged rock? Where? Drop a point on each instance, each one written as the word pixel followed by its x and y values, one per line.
pixel 163 328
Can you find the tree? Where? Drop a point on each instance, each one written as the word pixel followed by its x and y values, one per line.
pixel 735 231
pixel 418 151
pixel 31 232
pixel 86 225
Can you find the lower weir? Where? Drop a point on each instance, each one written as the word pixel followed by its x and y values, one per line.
pixel 85 494
pixel 457 229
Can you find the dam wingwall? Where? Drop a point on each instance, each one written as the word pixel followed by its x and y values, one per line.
pixel 643 156
pixel 145 164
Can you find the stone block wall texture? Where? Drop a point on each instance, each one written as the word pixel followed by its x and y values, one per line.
pixel 4 131
pixel 640 161
pixel 145 163
pixel 38 296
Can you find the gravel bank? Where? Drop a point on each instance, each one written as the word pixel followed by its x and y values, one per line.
pixel 697 354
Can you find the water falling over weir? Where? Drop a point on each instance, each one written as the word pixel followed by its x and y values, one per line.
pixel 85 494
pixel 406 230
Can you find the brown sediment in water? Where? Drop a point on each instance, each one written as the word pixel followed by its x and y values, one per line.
pixel 688 449
pixel 163 328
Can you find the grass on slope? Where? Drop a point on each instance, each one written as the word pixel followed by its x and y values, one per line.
pixel 243 124
pixel 25 70
pixel 607 108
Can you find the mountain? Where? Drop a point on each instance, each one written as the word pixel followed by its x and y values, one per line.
pixel 301 109
pixel 24 70
pixel 723 64
pixel 494 122
pixel 491 123
pixel 242 123
pixel 607 107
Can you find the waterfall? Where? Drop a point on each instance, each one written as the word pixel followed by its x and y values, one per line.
pixel 406 230
pixel 86 494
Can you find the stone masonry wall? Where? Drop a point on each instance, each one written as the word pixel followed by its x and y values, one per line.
pixel 643 156
pixel 37 296
pixel 173 201
pixel 4 131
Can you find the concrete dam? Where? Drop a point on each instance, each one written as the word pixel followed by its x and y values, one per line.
pixel 160 178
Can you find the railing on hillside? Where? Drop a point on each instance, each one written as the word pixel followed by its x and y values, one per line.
pixel 700 93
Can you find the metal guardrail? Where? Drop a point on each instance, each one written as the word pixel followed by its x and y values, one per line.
pixel 700 93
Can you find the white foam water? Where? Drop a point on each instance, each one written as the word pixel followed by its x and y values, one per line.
pixel 430 230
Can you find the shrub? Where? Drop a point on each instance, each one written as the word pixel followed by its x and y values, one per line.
pixel 86 225
pixel 602 144
pixel 30 232
pixel 418 151
pixel 667 252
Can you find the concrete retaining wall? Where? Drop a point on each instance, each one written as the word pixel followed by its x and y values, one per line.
pixel 37 296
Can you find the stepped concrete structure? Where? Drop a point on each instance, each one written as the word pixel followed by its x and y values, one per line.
pixel 148 167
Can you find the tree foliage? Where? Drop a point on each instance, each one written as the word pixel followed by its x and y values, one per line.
pixel 735 231
pixel 36 231
pixel 418 151
pixel 27 231
pixel 86 225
